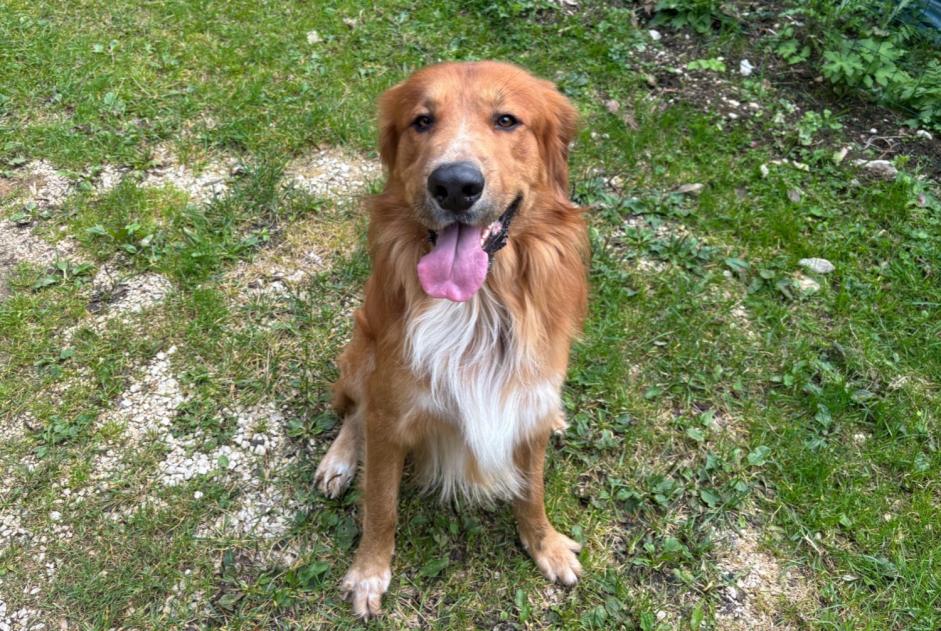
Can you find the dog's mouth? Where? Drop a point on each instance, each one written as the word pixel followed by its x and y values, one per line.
pixel 461 255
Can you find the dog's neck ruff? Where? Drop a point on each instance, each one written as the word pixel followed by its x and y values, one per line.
pixel 481 378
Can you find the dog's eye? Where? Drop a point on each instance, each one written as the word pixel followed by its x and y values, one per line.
pixel 423 122
pixel 506 121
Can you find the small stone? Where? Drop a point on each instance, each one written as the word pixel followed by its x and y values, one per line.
pixel 655 35
pixel 873 131
pixel 198 495
pixel 764 170
pixel 817 265
pixel 612 106
pixel 313 37
pixel 794 195
pixel 689 189
pixel 55 516
pixel 878 168
pixel 745 67
pixel 807 285
pixel 752 105
pixel 839 156
pixel 924 133
pixel 732 115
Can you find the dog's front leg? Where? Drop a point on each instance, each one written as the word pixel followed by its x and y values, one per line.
pixel 553 552
pixel 368 578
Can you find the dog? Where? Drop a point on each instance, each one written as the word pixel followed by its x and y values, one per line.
pixel 478 288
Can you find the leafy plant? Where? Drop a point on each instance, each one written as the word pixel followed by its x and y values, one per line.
pixel 812 123
pixel 699 15
pixel 865 45
pixel 714 64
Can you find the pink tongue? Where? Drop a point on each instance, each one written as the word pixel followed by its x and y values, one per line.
pixel 457 266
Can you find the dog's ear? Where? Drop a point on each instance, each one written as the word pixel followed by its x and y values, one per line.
pixel 389 106
pixel 560 125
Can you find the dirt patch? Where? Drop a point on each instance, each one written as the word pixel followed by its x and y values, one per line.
pixel 333 173
pixel 876 131
pixel 308 247
pixel 758 588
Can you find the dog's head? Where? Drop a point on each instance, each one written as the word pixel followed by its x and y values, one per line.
pixel 467 146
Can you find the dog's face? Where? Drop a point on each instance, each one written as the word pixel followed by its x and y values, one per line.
pixel 467 146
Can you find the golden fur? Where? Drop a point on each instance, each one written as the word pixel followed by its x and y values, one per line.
pixel 516 331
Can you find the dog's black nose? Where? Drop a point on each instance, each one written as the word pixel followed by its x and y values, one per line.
pixel 456 185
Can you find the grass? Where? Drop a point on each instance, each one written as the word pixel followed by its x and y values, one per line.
pixel 711 394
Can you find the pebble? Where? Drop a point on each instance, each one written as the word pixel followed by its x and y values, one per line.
pixel 924 133
pixel 655 35
pixel 817 265
pixel 689 189
pixel 745 67
pixel 882 169
pixel 807 285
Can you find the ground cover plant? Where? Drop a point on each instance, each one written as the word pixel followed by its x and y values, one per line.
pixel 753 409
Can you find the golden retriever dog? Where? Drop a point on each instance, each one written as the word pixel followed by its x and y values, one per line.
pixel 478 287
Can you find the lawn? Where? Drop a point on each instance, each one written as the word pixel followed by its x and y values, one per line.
pixel 753 438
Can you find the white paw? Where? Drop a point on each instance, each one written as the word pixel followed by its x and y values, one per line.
pixel 365 589
pixel 559 424
pixel 334 475
pixel 556 558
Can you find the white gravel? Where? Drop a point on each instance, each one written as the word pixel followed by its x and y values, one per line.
pixel 251 461
pixel 110 177
pixel 332 173
pixel 39 183
pixel 202 185
pixel 758 586
pixel 146 410
pixel 19 245
pixel 135 294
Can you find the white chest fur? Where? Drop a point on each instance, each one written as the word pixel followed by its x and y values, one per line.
pixel 482 380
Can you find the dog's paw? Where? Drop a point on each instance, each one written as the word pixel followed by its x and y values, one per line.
pixel 555 555
pixel 364 588
pixel 334 474
pixel 559 424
